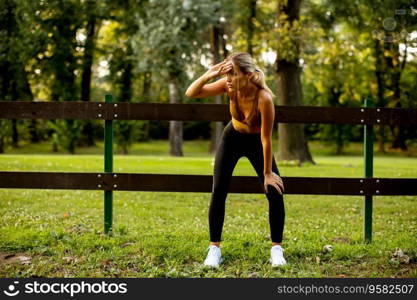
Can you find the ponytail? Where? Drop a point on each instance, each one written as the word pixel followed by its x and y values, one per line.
pixel 259 80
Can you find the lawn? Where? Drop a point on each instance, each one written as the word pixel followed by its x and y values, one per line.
pixel 58 233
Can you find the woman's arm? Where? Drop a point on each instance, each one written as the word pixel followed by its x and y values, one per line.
pixel 200 89
pixel 267 109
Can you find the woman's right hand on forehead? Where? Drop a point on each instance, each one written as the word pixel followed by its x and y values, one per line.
pixel 219 69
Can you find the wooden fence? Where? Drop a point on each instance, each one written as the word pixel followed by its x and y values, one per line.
pixel 108 181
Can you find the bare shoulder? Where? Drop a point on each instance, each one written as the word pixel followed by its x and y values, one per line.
pixel 265 99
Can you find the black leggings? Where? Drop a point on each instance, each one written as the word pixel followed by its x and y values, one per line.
pixel 232 147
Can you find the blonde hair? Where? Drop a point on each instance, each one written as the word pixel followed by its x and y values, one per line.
pixel 246 64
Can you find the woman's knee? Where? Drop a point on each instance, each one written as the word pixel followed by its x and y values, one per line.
pixel 272 191
pixel 218 192
pixel 274 196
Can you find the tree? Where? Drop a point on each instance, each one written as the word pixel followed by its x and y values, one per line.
pixel 54 25
pixel 215 41
pixel 388 26
pixel 292 142
pixel 331 75
pixel 123 71
pixel 92 26
pixel 172 43
pixel 14 84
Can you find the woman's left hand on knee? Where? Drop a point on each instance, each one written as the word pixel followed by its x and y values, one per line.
pixel 274 180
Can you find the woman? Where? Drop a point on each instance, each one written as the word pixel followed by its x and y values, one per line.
pixel 248 134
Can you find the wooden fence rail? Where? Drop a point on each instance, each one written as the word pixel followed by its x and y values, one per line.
pixel 203 183
pixel 201 112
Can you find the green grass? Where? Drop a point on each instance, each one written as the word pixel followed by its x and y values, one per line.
pixel 199 148
pixel 166 234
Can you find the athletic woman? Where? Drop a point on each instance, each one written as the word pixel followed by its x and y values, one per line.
pixel 247 134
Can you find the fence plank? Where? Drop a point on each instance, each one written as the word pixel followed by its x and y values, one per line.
pixel 201 112
pixel 52 110
pixel 49 180
pixel 203 183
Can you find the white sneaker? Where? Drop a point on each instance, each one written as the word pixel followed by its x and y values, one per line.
pixel 214 257
pixel 277 256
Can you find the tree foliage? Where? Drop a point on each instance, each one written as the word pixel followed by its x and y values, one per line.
pixel 151 50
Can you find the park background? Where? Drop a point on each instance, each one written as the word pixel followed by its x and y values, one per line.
pixel 319 53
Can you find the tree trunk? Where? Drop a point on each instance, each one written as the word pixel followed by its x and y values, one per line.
pixel 175 127
pixel 1 144
pixel 126 84
pixel 88 58
pixel 146 95
pixel 14 97
pixel 20 91
pixel 250 25
pixel 125 95
pixel 64 87
pixel 87 131
pixel 399 138
pixel 15 134
pixel 13 80
pixel 223 42
pixel 394 75
pixel 379 74
pixel 292 143
pixel 33 131
pixel 217 127
pixel 52 132
pixel 146 90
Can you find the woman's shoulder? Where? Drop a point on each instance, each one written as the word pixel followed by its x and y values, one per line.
pixel 264 98
pixel 265 102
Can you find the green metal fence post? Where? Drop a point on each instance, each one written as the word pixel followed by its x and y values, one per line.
pixel 369 166
pixel 108 168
